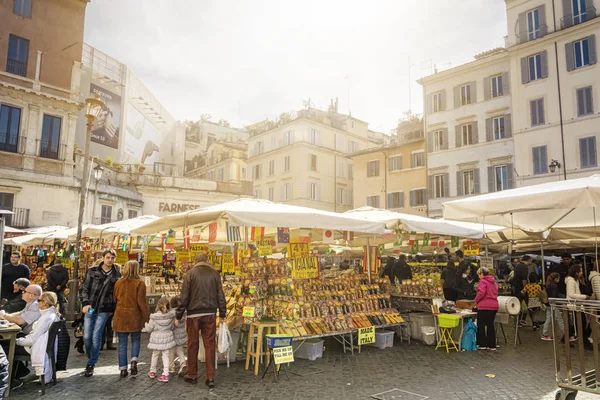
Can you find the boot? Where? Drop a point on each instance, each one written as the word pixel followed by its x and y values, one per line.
pixel 79 346
pixel 134 370
pixel 123 373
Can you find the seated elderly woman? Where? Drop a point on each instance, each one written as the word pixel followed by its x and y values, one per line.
pixel 37 340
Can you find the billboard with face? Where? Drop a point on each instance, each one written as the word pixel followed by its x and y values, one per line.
pixel 105 129
pixel 142 139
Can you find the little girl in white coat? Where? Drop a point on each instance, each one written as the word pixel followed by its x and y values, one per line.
pixel 180 334
pixel 160 327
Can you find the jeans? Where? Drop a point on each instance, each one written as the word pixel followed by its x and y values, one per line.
pixel 548 324
pixel 486 331
pixel 136 338
pixel 92 335
pixel 208 326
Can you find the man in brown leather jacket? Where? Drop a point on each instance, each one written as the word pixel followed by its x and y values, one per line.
pixel 201 296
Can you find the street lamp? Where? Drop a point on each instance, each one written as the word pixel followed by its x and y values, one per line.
pixel 94 106
pixel 553 166
pixel 97 176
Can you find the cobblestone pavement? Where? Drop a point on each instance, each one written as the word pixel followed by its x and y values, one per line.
pixel 526 372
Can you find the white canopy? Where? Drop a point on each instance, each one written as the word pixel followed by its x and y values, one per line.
pixel 254 212
pixel 40 238
pixel 554 205
pixel 422 224
pixel 118 227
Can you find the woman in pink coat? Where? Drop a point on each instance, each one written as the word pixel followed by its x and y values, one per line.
pixel 486 302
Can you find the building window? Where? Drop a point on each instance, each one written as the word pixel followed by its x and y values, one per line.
pixel 286 163
pixel 373 201
pixel 501 177
pixel 10 121
pixel 465 95
pixel 22 8
pixel 498 126
pixel 587 152
pixel 535 67
pixel 341 169
pixel 437 102
pixel 395 163
pixel 271 167
pixel 211 175
pixel 353 146
pixel 50 137
pixel 286 191
pixel 258 193
pixel 288 138
pixel 537 112
pixel 340 141
pixel 339 196
pixel 582 53
pixel 271 194
pixel 313 191
pixel 439 189
pixel 468 181
pixel 313 162
pixel 438 140
pixel 496 82
pixel 395 200
pixel 417 159
pixel 373 168
pixel 132 214
pixel 467 134
pixel 533 24
pixel 106 216
pixel 579 11
pixel 540 160
pixel 418 197
pixel 585 102
pixel 221 174
pixel 350 171
pixel 314 137
pixel 256 172
pixel 352 123
pixel 18 53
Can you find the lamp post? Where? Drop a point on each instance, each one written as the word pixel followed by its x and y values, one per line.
pixel 93 109
pixel 97 176
pixel 553 166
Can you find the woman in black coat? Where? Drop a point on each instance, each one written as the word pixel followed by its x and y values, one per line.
pixel 464 283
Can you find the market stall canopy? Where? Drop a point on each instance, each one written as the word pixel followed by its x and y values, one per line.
pixel 422 224
pixel 254 212
pixel 8 229
pixel 118 227
pixel 46 229
pixel 43 238
pixel 553 205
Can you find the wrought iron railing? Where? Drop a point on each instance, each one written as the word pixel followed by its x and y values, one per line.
pixel 16 67
pixel 49 149
pixel 527 36
pixel 9 143
pixel 570 20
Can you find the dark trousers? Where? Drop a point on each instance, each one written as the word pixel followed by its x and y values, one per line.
pixel 60 295
pixel 107 337
pixel 450 294
pixel 208 326
pixel 486 331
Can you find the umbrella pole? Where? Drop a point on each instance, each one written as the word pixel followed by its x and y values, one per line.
pixel 368 260
pixel 595 234
pixel 543 264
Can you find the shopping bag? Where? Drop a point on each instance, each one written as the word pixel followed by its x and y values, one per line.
pixel 469 342
pixel 224 340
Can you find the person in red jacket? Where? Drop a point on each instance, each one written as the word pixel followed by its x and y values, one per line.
pixel 486 302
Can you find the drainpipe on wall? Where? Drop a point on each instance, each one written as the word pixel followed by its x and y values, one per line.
pixel 560 113
pixel 385 178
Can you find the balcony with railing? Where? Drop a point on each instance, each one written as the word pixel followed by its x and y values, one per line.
pixel 51 150
pixel 16 67
pixel 575 19
pixel 19 219
pixel 9 143
pixel 532 34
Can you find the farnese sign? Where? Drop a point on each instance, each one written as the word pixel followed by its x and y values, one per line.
pixel 176 207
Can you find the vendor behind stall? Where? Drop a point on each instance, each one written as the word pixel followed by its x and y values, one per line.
pixel 402 270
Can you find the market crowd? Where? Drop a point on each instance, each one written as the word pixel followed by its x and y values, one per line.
pixel 113 303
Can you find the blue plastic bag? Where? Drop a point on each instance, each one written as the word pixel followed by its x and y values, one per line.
pixel 469 341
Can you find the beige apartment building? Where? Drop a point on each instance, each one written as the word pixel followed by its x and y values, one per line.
pixel 225 161
pixel 306 161
pixel 394 176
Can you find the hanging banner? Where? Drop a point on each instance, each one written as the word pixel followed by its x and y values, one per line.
pixel 183 259
pixel 154 257
pixel 228 263
pixel 426 238
pixel 283 235
pixel 196 249
pixel 454 242
pixel 298 250
pixel 214 259
pixel 398 241
pixel 414 248
pixel 471 248
pixel 122 257
pixel 264 247
pixel 304 268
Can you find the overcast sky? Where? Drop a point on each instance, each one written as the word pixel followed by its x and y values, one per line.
pixel 248 60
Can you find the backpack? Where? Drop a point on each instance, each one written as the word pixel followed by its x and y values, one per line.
pixel 469 342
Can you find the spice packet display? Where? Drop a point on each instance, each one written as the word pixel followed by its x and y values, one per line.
pixel 422 284
pixel 262 267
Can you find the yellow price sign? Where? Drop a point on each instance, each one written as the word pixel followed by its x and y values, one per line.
pixel 122 257
pixel 366 335
pixel 248 312
pixel 154 257
pixel 283 355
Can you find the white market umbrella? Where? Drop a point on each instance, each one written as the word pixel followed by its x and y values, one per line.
pixel 34 239
pixel 263 213
pixel 118 227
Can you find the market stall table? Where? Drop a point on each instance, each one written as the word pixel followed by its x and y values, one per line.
pixel 9 332
pixel 463 314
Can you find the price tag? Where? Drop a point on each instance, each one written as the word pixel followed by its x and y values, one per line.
pixel 366 335
pixel 283 355
pixel 248 312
